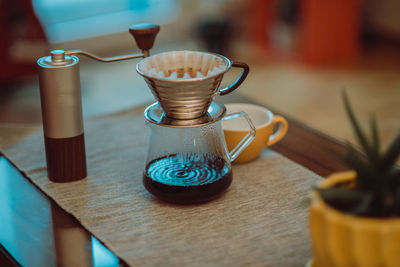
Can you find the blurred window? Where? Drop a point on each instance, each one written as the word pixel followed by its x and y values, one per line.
pixel 67 20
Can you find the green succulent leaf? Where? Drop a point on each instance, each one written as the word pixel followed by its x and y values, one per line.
pixel 348 200
pixel 392 154
pixel 356 162
pixel 356 127
pixel 375 139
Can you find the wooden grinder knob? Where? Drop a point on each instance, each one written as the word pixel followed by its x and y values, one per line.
pixel 144 35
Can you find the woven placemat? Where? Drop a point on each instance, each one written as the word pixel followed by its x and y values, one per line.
pixel 260 221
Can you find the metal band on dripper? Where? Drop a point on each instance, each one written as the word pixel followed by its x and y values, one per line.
pixel 155 114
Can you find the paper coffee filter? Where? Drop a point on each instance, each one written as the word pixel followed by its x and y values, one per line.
pixel 182 65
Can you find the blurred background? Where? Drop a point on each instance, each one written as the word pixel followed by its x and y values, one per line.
pixel 301 53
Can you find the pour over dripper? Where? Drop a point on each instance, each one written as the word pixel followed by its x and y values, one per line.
pixel 186 82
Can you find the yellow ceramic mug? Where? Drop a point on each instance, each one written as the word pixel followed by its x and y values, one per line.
pixel 264 121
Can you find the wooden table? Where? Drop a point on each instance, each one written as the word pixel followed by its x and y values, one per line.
pixel 34 231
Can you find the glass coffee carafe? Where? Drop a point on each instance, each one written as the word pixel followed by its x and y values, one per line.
pixel 188 161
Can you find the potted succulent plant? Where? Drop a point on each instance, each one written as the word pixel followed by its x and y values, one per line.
pixel 355 216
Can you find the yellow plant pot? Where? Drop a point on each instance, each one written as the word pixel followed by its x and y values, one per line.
pixel 341 239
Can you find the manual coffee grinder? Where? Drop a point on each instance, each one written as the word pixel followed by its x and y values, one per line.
pixel 60 96
pixel 187 160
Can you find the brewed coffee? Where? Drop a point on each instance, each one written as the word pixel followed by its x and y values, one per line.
pixel 187 178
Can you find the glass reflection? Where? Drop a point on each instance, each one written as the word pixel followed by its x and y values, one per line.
pixel 25 226
pixel 36 232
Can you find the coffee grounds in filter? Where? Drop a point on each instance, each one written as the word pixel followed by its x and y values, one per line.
pixel 182 65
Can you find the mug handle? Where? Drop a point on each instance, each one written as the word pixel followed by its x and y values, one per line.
pixel 280 132
pixel 246 140
pixel 239 80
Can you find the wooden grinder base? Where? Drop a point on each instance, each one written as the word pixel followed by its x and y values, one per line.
pixel 66 158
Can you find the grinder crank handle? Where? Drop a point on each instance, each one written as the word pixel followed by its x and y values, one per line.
pixel 144 35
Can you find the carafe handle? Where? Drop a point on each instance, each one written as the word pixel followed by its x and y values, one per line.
pixel 246 140
pixel 235 84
